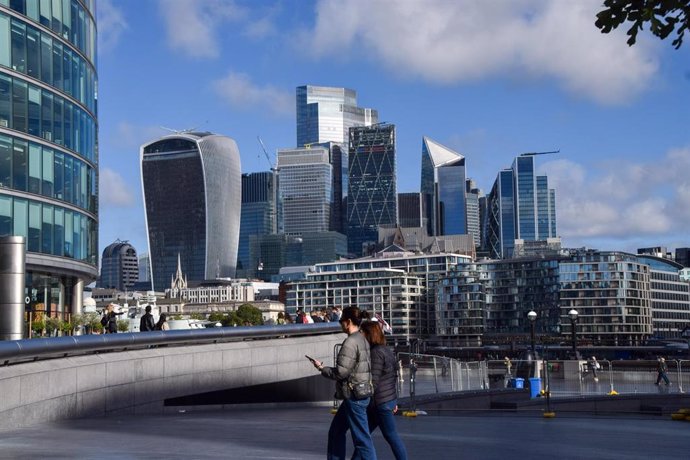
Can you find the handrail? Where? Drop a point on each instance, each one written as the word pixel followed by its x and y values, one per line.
pixel 13 351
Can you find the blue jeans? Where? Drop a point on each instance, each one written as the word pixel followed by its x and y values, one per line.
pixel 351 415
pixel 382 417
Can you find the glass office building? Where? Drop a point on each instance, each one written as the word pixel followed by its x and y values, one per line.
pixel 305 188
pixel 192 194
pixel 119 266
pixel 443 187
pixel 325 114
pixel 259 214
pixel 411 210
pixel 48 146
pixel 372 198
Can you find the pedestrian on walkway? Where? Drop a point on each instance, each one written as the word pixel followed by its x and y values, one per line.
pixel 593 366
pixel 662 369
pixel 382 409
pixel 146 323
pixel 352 373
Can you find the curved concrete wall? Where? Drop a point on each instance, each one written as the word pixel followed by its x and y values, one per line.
pixel 139 381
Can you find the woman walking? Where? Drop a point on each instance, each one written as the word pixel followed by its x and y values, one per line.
pixel 352 374
pixel 384 375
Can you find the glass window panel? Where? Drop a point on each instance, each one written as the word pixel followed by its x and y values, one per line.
pixel 18 46
pixel 5 101
pixel 32 9
pixel 47 230
pixel 21 217
pixel 34 111
pixel 82 29
pixel 66 19
pixel 59 232
pixel 67 70
pixel 59 175
pixel 76 237
pixel 46 15
pixel 69 234
pixel 57 65
pixel 75 129
pixel 76 182
pixel 46 58
pixel 82 82
pixel 19 105
pixel 4 40
pixel 57 16
pixel 18 6
pixel 33 54
pixel 84 237
pixel 75 75
pixel 47 115
pixel 75 19
pixel 5 161
pixel 33 242
pixel 69 183
pixel 57 121
pixel 82 188
pixel 67 128
pixel 35 164
pixel 19 164
pixel 5 215
pixel 47 186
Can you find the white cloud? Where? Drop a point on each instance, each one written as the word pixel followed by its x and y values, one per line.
pixel 619 200
pixel 192 24
pixel 239 91
pixel 464 40
pixel 111 24
pixel 133 136
pixel 113 190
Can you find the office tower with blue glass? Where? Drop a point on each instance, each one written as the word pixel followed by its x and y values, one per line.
pixel 443 188
pixel 325 114
pixel 305 188
pixel 192 191
pixel 521 206
pixel 372 198
pixel 259 215
pixel 411 210
pixel 48 147
pixel 119 266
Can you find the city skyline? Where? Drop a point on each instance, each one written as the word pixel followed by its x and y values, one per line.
pixel 490 95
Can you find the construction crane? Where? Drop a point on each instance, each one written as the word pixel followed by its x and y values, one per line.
pixel 531 154
pixel 263 147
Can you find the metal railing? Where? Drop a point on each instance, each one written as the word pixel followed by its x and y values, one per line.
pixel 421 374
pixel 16 351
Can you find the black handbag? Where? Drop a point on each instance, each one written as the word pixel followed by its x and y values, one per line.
pixel 361 390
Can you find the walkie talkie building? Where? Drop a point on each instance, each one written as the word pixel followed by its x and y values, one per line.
pixel 192 189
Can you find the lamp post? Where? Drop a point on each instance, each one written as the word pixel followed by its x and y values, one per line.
pixel 572 314
pixel 532 316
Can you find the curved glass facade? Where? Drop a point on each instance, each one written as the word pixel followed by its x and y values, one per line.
pixel 48 144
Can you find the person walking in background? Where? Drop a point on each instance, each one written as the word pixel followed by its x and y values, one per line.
pixel 162 324
pixel 110 319
pixel 351 372
pixel 593 366
pixel 146 323
pixel 662 369
pixel 383 375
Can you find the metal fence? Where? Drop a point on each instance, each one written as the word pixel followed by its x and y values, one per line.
pixel 420 374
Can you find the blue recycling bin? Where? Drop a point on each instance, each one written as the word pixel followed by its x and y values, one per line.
pixel 519 383
pixel 534 387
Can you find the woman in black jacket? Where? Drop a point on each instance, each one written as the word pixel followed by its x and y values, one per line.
pixel 383 375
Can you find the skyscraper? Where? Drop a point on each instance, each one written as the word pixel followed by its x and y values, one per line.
pixel 443 188
pixel 48 146
pixel 306 189
pixel 144 267
pixel 325 114
pixel 259 214
pixel 372 198
pixel 411 210
pixel 192 195
pixel 472 196
pixel 520 206
pixel 119 266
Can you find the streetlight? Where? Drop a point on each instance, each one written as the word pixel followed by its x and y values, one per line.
pixel 532 316
pixel 572 314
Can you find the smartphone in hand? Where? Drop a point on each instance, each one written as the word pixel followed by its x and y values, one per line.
pixel 310 358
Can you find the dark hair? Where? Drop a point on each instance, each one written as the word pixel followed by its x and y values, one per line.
pixel 365 315
pixel 161 319
pixel 353 314
pixel 373 332
pixel 148 309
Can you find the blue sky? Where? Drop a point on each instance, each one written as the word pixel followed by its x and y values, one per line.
pixel 490 79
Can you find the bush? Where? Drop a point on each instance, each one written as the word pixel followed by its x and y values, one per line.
pixel 37 328
pixel 52 326
pixel 122 325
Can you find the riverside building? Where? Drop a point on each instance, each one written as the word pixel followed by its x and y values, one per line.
pixel 48 146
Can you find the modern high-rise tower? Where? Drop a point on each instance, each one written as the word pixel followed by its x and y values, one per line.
pixel 372 198
pixel 119 266
pixel 259 215
pixel 325 114
pixel 521 206
pixel 443 189
pixel 192 193
pixel 48 146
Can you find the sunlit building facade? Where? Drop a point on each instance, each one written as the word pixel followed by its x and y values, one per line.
pixel 48 146
pixel 119 266
pixel 192 195
pixel 259 214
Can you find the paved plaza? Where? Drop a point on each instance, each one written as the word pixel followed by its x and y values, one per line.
pixel 300 433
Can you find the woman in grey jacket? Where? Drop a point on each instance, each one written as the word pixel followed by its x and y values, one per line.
pixel 353 367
